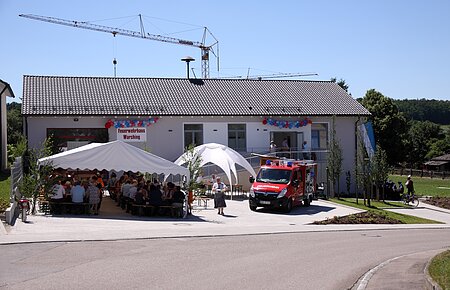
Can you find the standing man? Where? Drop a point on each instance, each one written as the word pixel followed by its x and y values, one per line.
pixel 285 147
pixel 305 150
pixel 219 189
pixel 273 146
pixel 285 144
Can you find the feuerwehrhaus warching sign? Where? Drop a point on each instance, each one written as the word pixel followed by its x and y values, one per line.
pixel 136 134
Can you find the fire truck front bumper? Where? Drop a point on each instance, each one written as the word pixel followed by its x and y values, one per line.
pixel 268 202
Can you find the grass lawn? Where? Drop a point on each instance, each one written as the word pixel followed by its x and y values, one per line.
pixel 5 187
pixel 377 207
pixel 440 269
pixel 426 186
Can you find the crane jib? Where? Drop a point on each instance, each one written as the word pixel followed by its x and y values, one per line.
pixel 118 31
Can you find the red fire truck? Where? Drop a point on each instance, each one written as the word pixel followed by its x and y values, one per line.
pixel 283 184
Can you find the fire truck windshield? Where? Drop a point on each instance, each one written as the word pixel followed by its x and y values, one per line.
pixel 270 175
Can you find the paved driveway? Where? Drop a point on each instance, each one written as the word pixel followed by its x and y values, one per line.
pixel 113 223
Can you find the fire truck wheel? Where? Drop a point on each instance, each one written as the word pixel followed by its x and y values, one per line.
pixel 288 206
pixel 253 208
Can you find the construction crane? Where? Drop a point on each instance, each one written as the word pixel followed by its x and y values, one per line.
pixel 273 76
pixel 280 75
pixel 205 49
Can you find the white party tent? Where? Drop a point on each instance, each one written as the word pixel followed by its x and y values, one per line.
pixel 115 155
pixel 221 155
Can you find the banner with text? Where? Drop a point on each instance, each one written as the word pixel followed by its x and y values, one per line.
pixel 136 134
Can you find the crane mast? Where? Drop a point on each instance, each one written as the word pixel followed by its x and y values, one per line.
pixel 205 49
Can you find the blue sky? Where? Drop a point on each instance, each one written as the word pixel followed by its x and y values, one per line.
pixel 400 48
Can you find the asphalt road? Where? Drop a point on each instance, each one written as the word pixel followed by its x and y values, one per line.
pixel 308 260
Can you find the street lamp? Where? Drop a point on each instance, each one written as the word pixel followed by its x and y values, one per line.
pixel 328 182
pixel 188 59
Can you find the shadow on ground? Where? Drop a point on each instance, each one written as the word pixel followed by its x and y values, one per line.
pixel 301 210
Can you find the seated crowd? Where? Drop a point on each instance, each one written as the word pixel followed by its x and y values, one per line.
pixel 72 189
pixel 129 190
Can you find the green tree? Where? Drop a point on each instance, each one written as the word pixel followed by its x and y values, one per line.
pixel 334 160
pixel 348 180
pixel 389 125
pixel 37 177
pixel 340 83
pixel 14 122
pixel 420 137
pixel 379 170
pixel 438 148
pixel 193 161
pixel 17 149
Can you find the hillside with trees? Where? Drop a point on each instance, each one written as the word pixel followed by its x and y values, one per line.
pixel 436 111
pixel 410 131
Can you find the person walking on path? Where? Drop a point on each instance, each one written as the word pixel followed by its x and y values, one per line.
pixel 93 194
pixel 219 189
pixel 409 185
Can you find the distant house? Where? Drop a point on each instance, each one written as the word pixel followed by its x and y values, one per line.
pixel 164 115
pixel 440 163
pixel 5 91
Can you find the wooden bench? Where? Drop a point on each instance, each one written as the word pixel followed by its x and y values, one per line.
pixel 202 200
pixel 174 210
pixel 139 209
pixel 69 207
pixel 44 205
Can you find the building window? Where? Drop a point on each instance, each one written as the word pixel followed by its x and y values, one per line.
pixel 237 137
pixel 69 138
pixel 319 136
pixel 193 134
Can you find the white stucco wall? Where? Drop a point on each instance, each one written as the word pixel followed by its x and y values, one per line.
pixel 345 130
pixel 165 137
pixel 37 126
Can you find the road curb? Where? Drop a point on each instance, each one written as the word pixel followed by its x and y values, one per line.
pixel 363 281
pixel 430 284
pixel 79 240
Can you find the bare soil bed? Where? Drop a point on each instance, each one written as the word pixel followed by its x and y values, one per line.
pixel 443 202
pixel 360 218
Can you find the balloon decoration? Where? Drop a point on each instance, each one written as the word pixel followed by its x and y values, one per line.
pixel 286 124
pixel 130 123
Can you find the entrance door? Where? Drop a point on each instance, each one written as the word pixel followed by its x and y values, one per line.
pixel 291 137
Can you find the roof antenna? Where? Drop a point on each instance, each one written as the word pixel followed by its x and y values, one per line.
pixel 115 64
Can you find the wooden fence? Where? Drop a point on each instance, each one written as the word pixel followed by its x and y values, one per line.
pixel 421 173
